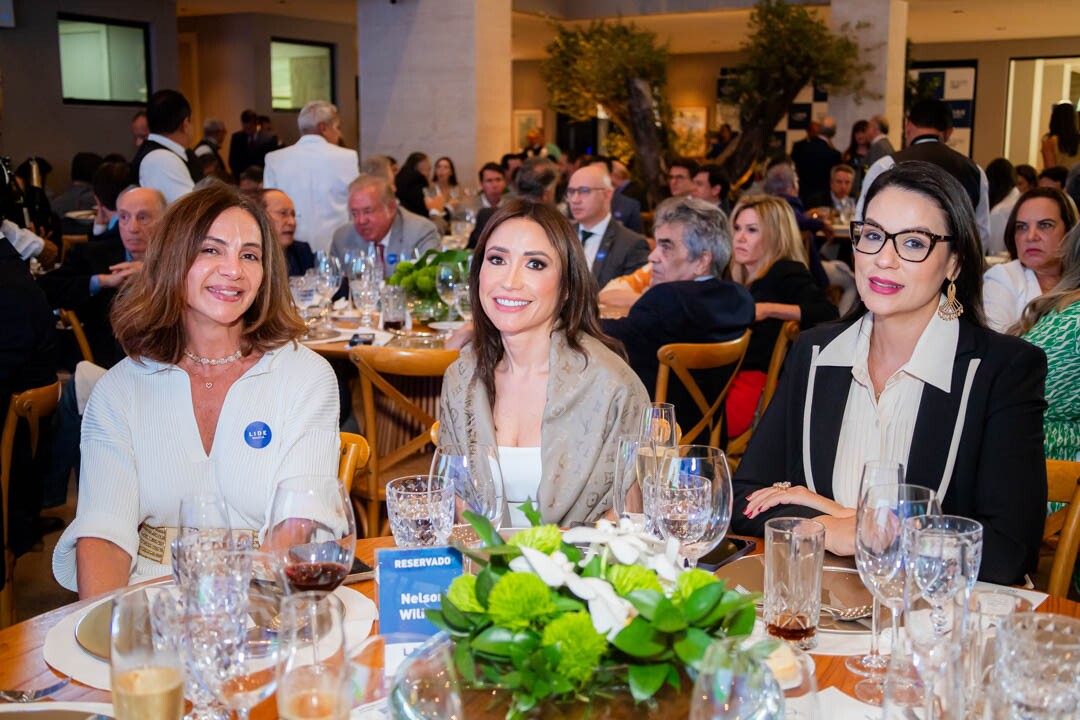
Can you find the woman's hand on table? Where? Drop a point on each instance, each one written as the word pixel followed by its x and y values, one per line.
pixel 769 497
pixel 839 533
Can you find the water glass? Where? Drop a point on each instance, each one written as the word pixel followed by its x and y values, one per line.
pixel 691 499
pixel 446 279
pixel 794 559
pixel 393 307
pixel 365 298
pixel 313 670
pixel 146 675
pixel 462 301
pixel 1038 668
pixel 304 296
pixel 421 510
pixel 203 530
pixel 476 475
pixel 197 630
pixel 405 675
pixel 987 609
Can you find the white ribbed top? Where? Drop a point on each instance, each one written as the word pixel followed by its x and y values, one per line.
pixel 522 470
pixel 141 450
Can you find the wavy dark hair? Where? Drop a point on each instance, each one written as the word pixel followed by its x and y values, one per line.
pixel 578 312
pixel 1063 126
pixel 453 170
pixel 148 314
pixel 945 191
pixel 1001 176
pixel 1066 210
pixel 853 147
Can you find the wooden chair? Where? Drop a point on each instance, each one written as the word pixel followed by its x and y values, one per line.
pixel 373 363
pixel 70 320
pixel 681 358
pixel 29 405
pixel 788 332
pixel 1063 485
pixel 354 456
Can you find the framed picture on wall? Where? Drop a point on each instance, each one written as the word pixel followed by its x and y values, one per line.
pixel 524 121
pixel 690 125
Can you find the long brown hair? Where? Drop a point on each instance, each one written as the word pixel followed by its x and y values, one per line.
pixel 147 316
pixel 1062 295
pixel 578 310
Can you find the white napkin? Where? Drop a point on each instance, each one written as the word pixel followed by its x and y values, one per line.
pixel 90 708
pixel 360 613
pixel 841 706
pixel 1032 596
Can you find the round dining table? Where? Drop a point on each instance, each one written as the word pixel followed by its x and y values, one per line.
pixel 23 666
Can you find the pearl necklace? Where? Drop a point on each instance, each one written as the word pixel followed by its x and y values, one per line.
pixel 204 361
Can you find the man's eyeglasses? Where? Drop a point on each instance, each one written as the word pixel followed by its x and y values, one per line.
pixel 584 191
pixel 910 245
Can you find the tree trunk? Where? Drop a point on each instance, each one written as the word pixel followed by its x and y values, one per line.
pixel 646 136
pixel 757 129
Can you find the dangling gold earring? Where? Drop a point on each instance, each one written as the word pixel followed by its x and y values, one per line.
pixel 951 309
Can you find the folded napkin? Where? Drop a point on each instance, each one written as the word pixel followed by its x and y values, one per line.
pixel 841 706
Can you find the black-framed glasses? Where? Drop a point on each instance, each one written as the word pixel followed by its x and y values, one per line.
pixel 584 191
pixel 910 245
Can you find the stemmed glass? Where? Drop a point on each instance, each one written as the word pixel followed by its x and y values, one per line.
pixel 476 475
pixel 691 500
pixel 146 675
pixel 312 531
pixel 203 529
pixel 312 670
pixel 943 554
pixel 448 277
pixel 626 488
pixel 327 283
pixel 879 556
pixel 658 424
pixel 463 301
pixel 304 297
pixel 405 675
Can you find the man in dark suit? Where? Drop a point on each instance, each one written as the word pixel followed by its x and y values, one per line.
pixel 712 185
pixel 624 208
pixel 877 133
pixel 243 145
pixel 282 212
pixel 610 249
pixel 814 158
pixel 687 301
pixel 91 273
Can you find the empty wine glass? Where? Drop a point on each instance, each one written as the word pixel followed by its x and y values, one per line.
pixel 328 274
pixel 146 674
pixel 691 500
pixel 462 301
pixel 476 476
pixel 203 529
pixel 421 510
pixel 312 531
pixel 744 678
pixel 425 684
pixel 365 298
pixel 313 671
pixel 448 277
pixel 879 556
pixel 304 297
pixel 626 487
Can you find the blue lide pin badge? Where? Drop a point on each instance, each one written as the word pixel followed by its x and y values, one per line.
pixel 600 256
pixel 258 435
pixel 411 581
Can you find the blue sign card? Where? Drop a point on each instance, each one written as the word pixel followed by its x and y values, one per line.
pixel 410 581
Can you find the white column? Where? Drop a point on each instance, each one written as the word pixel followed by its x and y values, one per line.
pixel 435 77
pixel 882 42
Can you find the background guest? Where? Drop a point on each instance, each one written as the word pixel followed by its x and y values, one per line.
pixel 282 213
pixel 411 182
pixel 1054 177
pixel 80 194
pixel 1061 145
pixel 611 250
pixel 164 162
pixel 1004 193
pixel 855 155
pixel 1026 178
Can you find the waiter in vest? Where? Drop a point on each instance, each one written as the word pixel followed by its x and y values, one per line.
pixel 163 161
pixel 926 134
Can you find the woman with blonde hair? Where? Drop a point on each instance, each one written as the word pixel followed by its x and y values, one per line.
pixel 770 260
pixel 215 394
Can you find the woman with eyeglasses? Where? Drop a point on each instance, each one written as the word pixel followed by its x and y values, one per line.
pixel 911 375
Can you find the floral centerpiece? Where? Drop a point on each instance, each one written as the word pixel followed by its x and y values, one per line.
pixel 556 616
pixel 418 279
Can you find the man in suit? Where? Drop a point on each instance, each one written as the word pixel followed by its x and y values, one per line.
pixel 315 173
pixel 711 184
pixel 625 209
pixel 164 161
pixel 687 299
pixel 877 133
pixel 610 249
pixel 378 224
pixel 91 274
pixel 626 185
pixel 242 144
pixel 282 212
pixel 813 157
pixel 210 146
pixel 536 179
pixel 492 185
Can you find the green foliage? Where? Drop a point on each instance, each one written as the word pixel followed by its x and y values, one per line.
pixel 462 593
pixel 518 599
pixel 580 646
pixel 545 538
pixel 628 578
pixel 419 277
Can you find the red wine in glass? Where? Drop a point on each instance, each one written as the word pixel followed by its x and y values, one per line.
pixel 323 576
pixel 396 325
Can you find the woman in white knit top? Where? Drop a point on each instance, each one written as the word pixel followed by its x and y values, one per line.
pixel 214 396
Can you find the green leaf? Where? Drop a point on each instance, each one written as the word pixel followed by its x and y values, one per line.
pixel 484 529
pixel 743 624
pixel 668 618
pixel 533 515
pixel 464 662
pixel 645 680
pixel 691 647
pixel 646 601
pixel 673 677
pixel 494 641
pixel 453 616
pixel 509 552
pixel 485 580
pixel 639 639
pixel 730 602
pixel 572 553
pixel 702 601
pixel 565 604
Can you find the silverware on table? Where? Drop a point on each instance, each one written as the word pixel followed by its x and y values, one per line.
pixel 26 696
pixel 850 614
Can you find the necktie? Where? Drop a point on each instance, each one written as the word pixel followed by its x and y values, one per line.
pixel 585 235
pixel 380 255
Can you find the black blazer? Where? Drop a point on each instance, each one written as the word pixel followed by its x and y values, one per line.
pixel 627 210
pixel 999 473
pixel 299 258
pixel 684 311
pixel 813 158
pixel 68 286
pixel 789 282
pixel 621 252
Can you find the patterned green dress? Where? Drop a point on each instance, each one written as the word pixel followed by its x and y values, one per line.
pixel 1058 334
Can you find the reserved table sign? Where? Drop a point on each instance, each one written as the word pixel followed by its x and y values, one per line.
pixel 410 582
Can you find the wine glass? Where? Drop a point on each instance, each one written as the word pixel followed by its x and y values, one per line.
pixel 626 488
pixel 203 529
pixel 658 424
pixel 146 675
pixel 735 683
pixel 421 510
pixel 879 556
pixel 692 499
pixel 476 475
pixel 463 301
pixel 312 670
pixel 327 283
pixel 449 275
pixel 312 531
pixel 194 622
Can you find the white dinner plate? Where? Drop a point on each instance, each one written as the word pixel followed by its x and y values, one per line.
pixel 446 325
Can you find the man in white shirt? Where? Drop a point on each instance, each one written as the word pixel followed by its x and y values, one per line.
pixel 610 248
pixel 163 162
pixel 315 172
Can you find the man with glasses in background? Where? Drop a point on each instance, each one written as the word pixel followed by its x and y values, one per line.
pixel 610 248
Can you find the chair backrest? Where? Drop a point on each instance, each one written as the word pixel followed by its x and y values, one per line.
pixel 1063 485
pixel 681 358
pixel 67 241
pixel 788 333
pixel 71 320
pixel 354 456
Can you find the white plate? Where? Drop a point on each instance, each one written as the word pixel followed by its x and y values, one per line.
pixel 446 325
pixel 342 336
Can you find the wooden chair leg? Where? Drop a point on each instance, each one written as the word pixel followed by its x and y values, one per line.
pixel 7 595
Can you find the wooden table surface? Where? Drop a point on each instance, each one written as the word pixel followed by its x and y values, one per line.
pixel 23 666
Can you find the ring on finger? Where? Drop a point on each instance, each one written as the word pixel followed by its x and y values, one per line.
pixel 785 486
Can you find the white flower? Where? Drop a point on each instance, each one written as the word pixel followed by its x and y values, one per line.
pixel 628 545
pixel 554 569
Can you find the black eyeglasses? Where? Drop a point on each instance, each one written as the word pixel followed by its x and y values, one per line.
pixel 910 245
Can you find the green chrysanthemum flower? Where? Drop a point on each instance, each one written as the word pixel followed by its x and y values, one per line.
pixel 462 592
pixel 581 647
pixel 690 581
pixel 628 578
pixel 546 538
pixel 518 599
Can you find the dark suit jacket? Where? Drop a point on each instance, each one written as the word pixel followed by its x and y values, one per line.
pixel 999 475
pixel 299 258
pixel 679 312
pixel 621 252
pixel 482 217
pixel 410 186
pixel 814 158
pixel 240 159
pixel 627 210
pixel 68 287
pixel 635 191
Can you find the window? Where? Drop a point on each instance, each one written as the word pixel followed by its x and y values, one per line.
pixel 299 73
pixel 103 61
